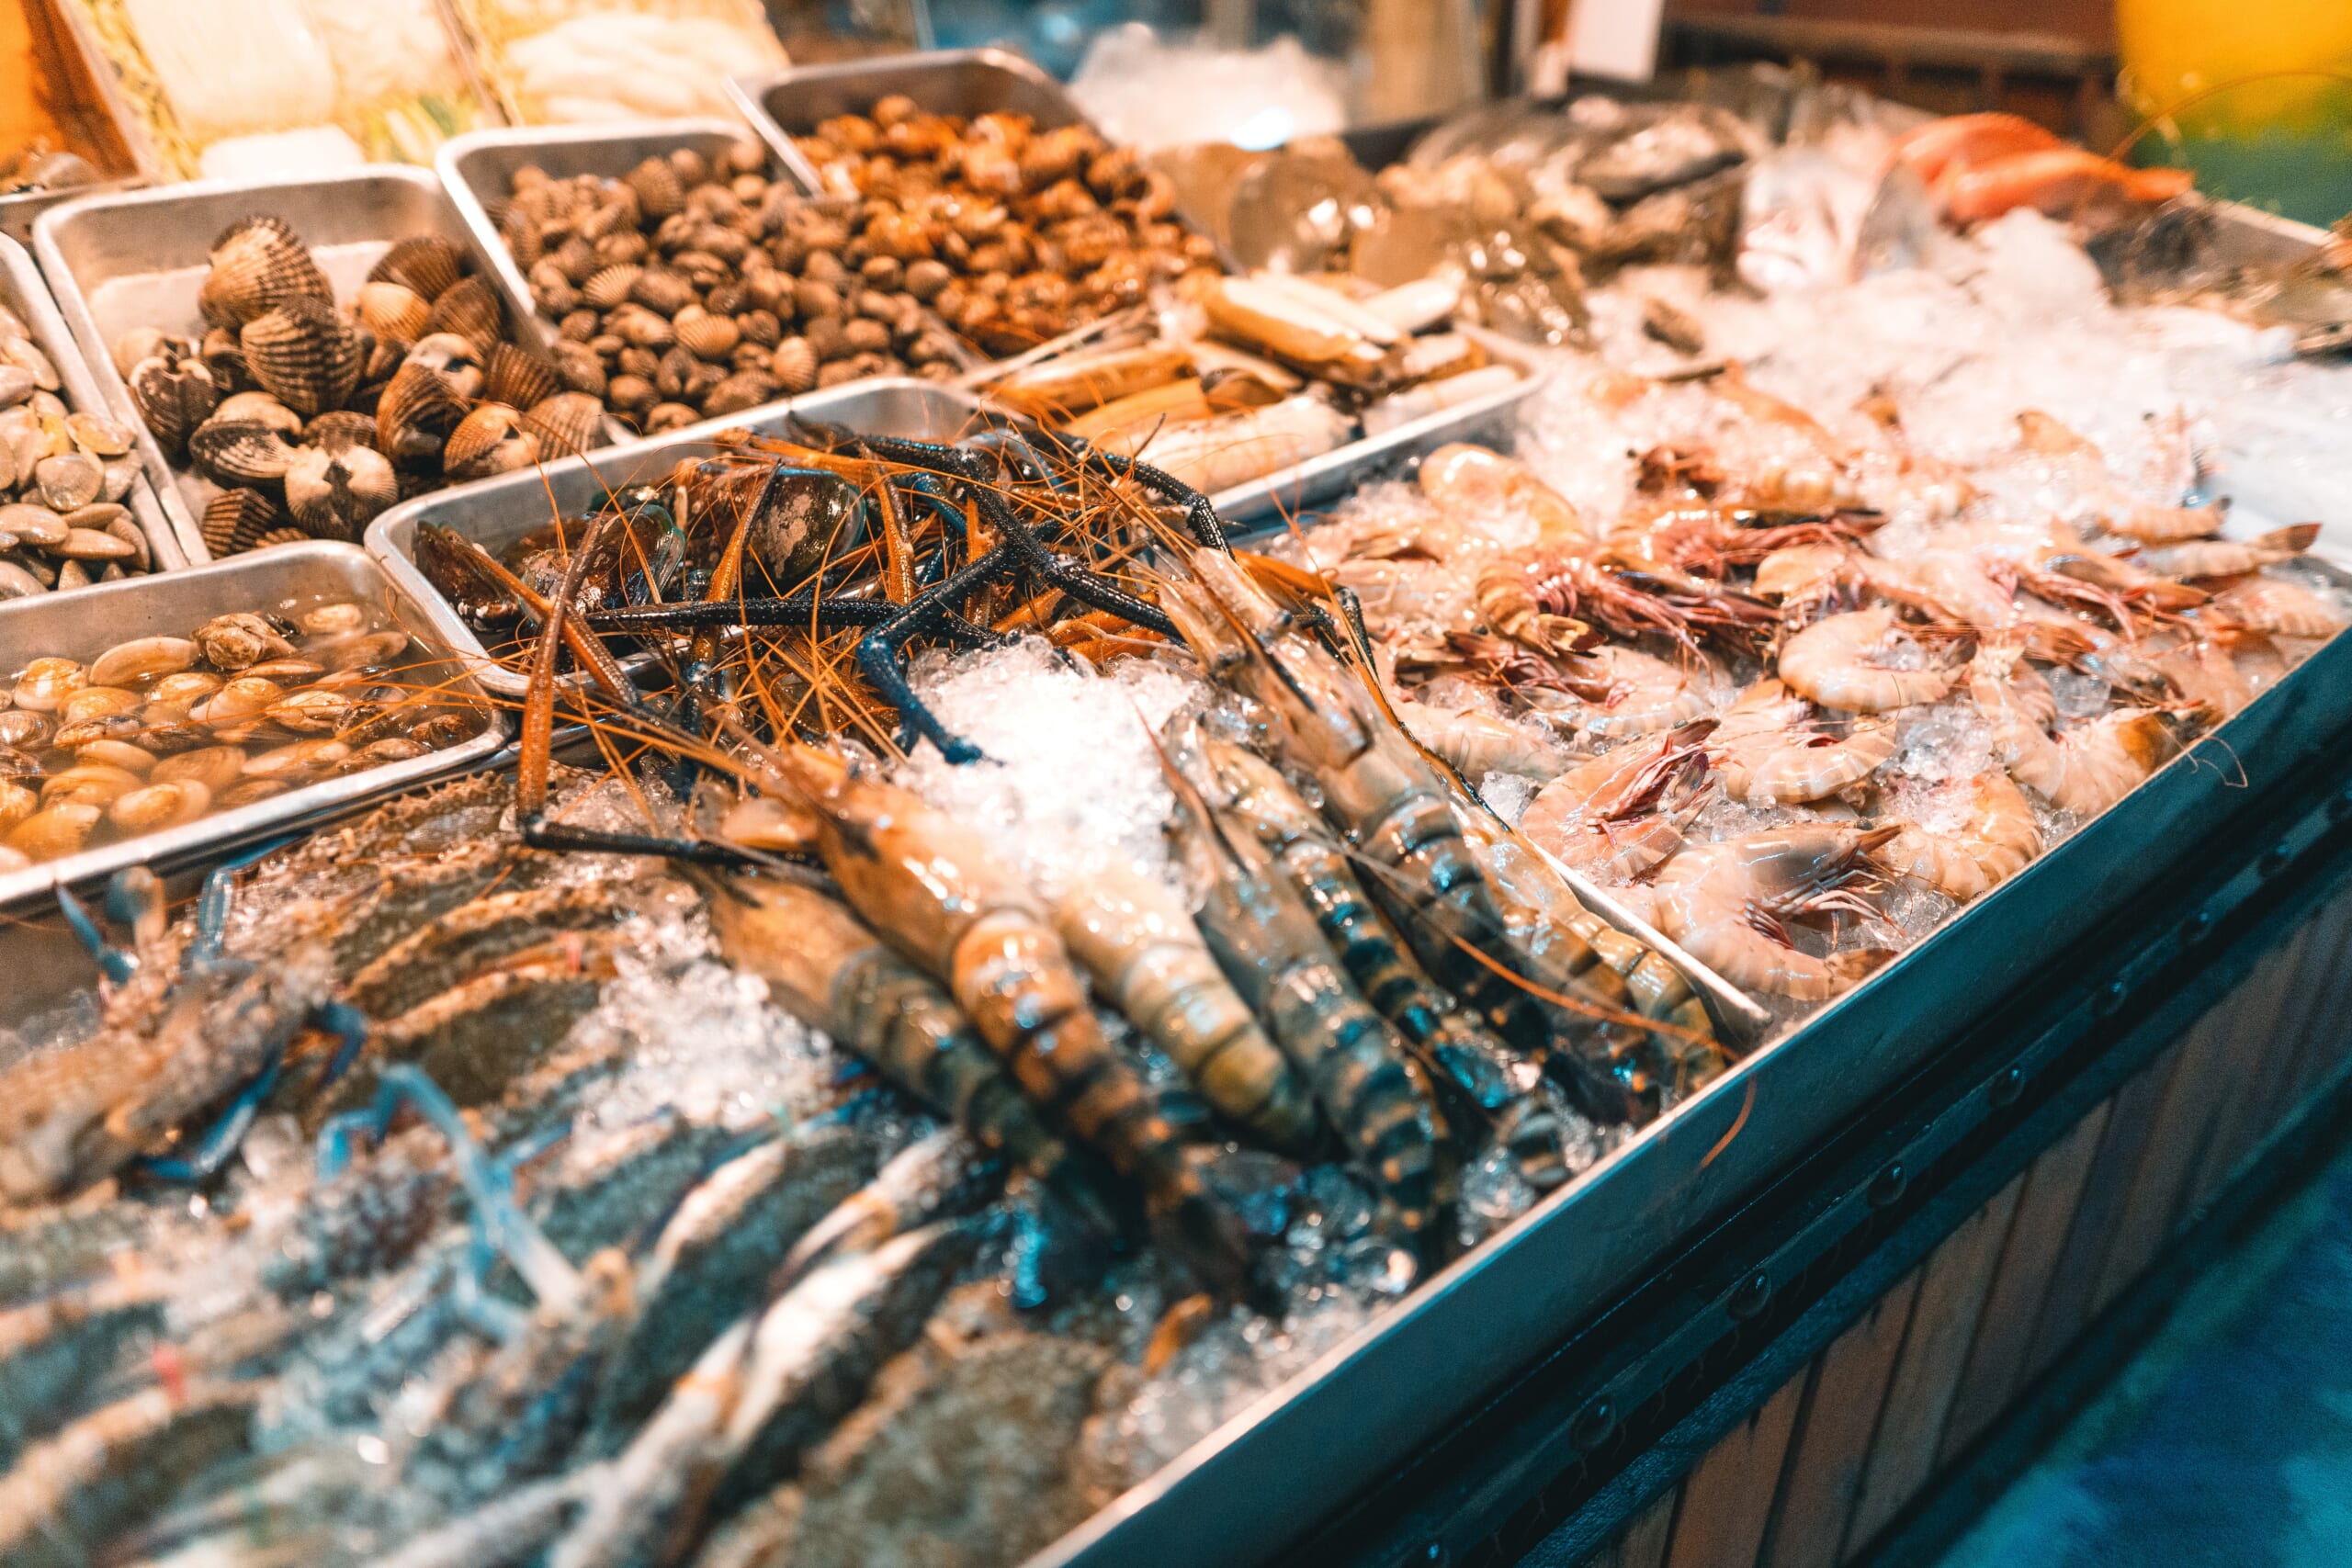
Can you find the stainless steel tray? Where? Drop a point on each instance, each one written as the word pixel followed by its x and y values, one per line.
pixel 23 291
pixel 81 625
pixel 18 212
pixel 135 258
pixel 965 81
pixel 495 513
pixel 478 169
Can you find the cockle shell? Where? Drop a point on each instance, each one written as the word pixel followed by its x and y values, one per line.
pixel 239 452
pixel 225 357
pixel 262 408
pixel 566 422
pixel 304 354
pixel 173 395
pixel 140 659
pixel 455 358
pixel 235 518
pixel 258 265
pixel 490 440
pixel 425 262
pixel 338 429
pixel 469 309
pixel 710 337
pixel 335 495
pixel 659 190
pixel 392 310
pixel 416 414
pixel 794 365
pixel 659 289
pixel 142 344
pixel 517 378
pixel 743 390
pixel 607 289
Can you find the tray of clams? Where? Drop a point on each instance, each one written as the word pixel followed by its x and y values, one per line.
pixel 159 717
pixel 686 275
pixel 302 354
pixel 74 507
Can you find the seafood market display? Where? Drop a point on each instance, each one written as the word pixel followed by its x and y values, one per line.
pixel 1013 233
pixel 66 477
pixel 303 417
pixel 695 286
pixel 557 62
pixel 972 976
pixel 160 731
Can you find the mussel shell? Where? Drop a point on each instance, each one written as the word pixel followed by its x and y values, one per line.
pixel 305 354
pixel 469 309
pixel 335 495
pixel 480 602
pixel 258 265
pixel 237 519
pixel 566 422
pixel 517 378
pixel 239 452
pixel 425 262
pixel 416 414
pixel 174 396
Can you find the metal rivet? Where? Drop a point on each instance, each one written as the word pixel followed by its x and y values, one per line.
pixel 1888 1185
pixel 2007 1086
pixel 1592 1424
pixel 2341 806
pixel 2111 996
pixel 2200 925
pixel 1436 1552
pixel 1747 1298
pixel 2275 859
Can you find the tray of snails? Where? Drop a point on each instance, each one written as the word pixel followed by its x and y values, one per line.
pixel 75 506
pixel 299 356
pixel 158 719
pixel 683 272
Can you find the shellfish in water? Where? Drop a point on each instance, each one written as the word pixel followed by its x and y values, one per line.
pixel 257 265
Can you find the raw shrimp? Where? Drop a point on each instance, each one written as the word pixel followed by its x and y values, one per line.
pixel 2229 557
pixel 1477 744
pixel 1636 694
pixel 1768 754
pixel 1610 817
pixel 1711 897
pixel 2060 181
pixel 1139 945
pixel 1835 662
pixel 2281 608
pixel 1474 483
pixel 1993 844
pixel 2090 767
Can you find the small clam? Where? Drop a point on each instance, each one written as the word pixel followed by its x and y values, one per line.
pixel 304 354
pixel 237 519
pixel 92 782
pixel 16 385
pixel 142 659
pixel 247 792
pixel 95 702
pixel 470 309
pixel 24 729
pixel 23 523
pixel 302 760
pixel 294 670
pixel 90 544
pixel 258 264
pixel 99 437
pixel 336 495
pixel 121 474
pixel 54 830
pixel 490 440
pixel 425 263
pixel 239 452
pixel 165 730
pixel 316 711
pixel 23 354
pixel 338 619
pixel 16 582
pixel 47 682
pixel 16 803
pixel 361 652
pixel 72 734
pixel 391 748
pixel 239 639
pixel 113 753
pixel 69 479
pixel 241 698
pixel 214 767
pixel 444 729
pixel 158 805
pixel 186 686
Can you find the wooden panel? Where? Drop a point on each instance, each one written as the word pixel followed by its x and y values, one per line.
pixel 2165 1164
pixel 2298 992
pixel 1729 1494
pixel 2067 1307
pixel 1952 1288
pixel 2325 1034
pixel 1996 1361
pixel 2254 1049
pixel 1841 1412
pixel 1643 1544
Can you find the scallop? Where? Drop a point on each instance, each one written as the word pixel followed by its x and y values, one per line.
pixel 214 767
pixel 453 356
pixel 154 807
pixel 240 451
pixel 335 495
pixel 47 682
pixel 425 262
pixel 241 638
pixel 173 395
pixel 490 440
pixel 258 266
pixel 566 422
pixel 142 659
pixel 237 519
pixel 304 354
pixel 54 830
pixel 416 414
pixel 517 380
pixel 469 309
pixel 392 311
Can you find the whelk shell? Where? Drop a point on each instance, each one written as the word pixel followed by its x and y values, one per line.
pixel 425 263
pixel 140 659
pixel 53 831
pixel 305 354
pixel 257 265
pixel 158 805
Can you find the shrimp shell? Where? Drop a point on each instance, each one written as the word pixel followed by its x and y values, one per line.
pixel 1830 663
pixel 2280 608
pixel 1995 843
pixel 1766 759
pixel 1709 896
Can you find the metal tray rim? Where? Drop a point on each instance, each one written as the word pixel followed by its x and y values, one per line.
pixel 217 832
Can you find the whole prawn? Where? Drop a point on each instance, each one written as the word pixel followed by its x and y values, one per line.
pixel 1611 817
pixel 1711 898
